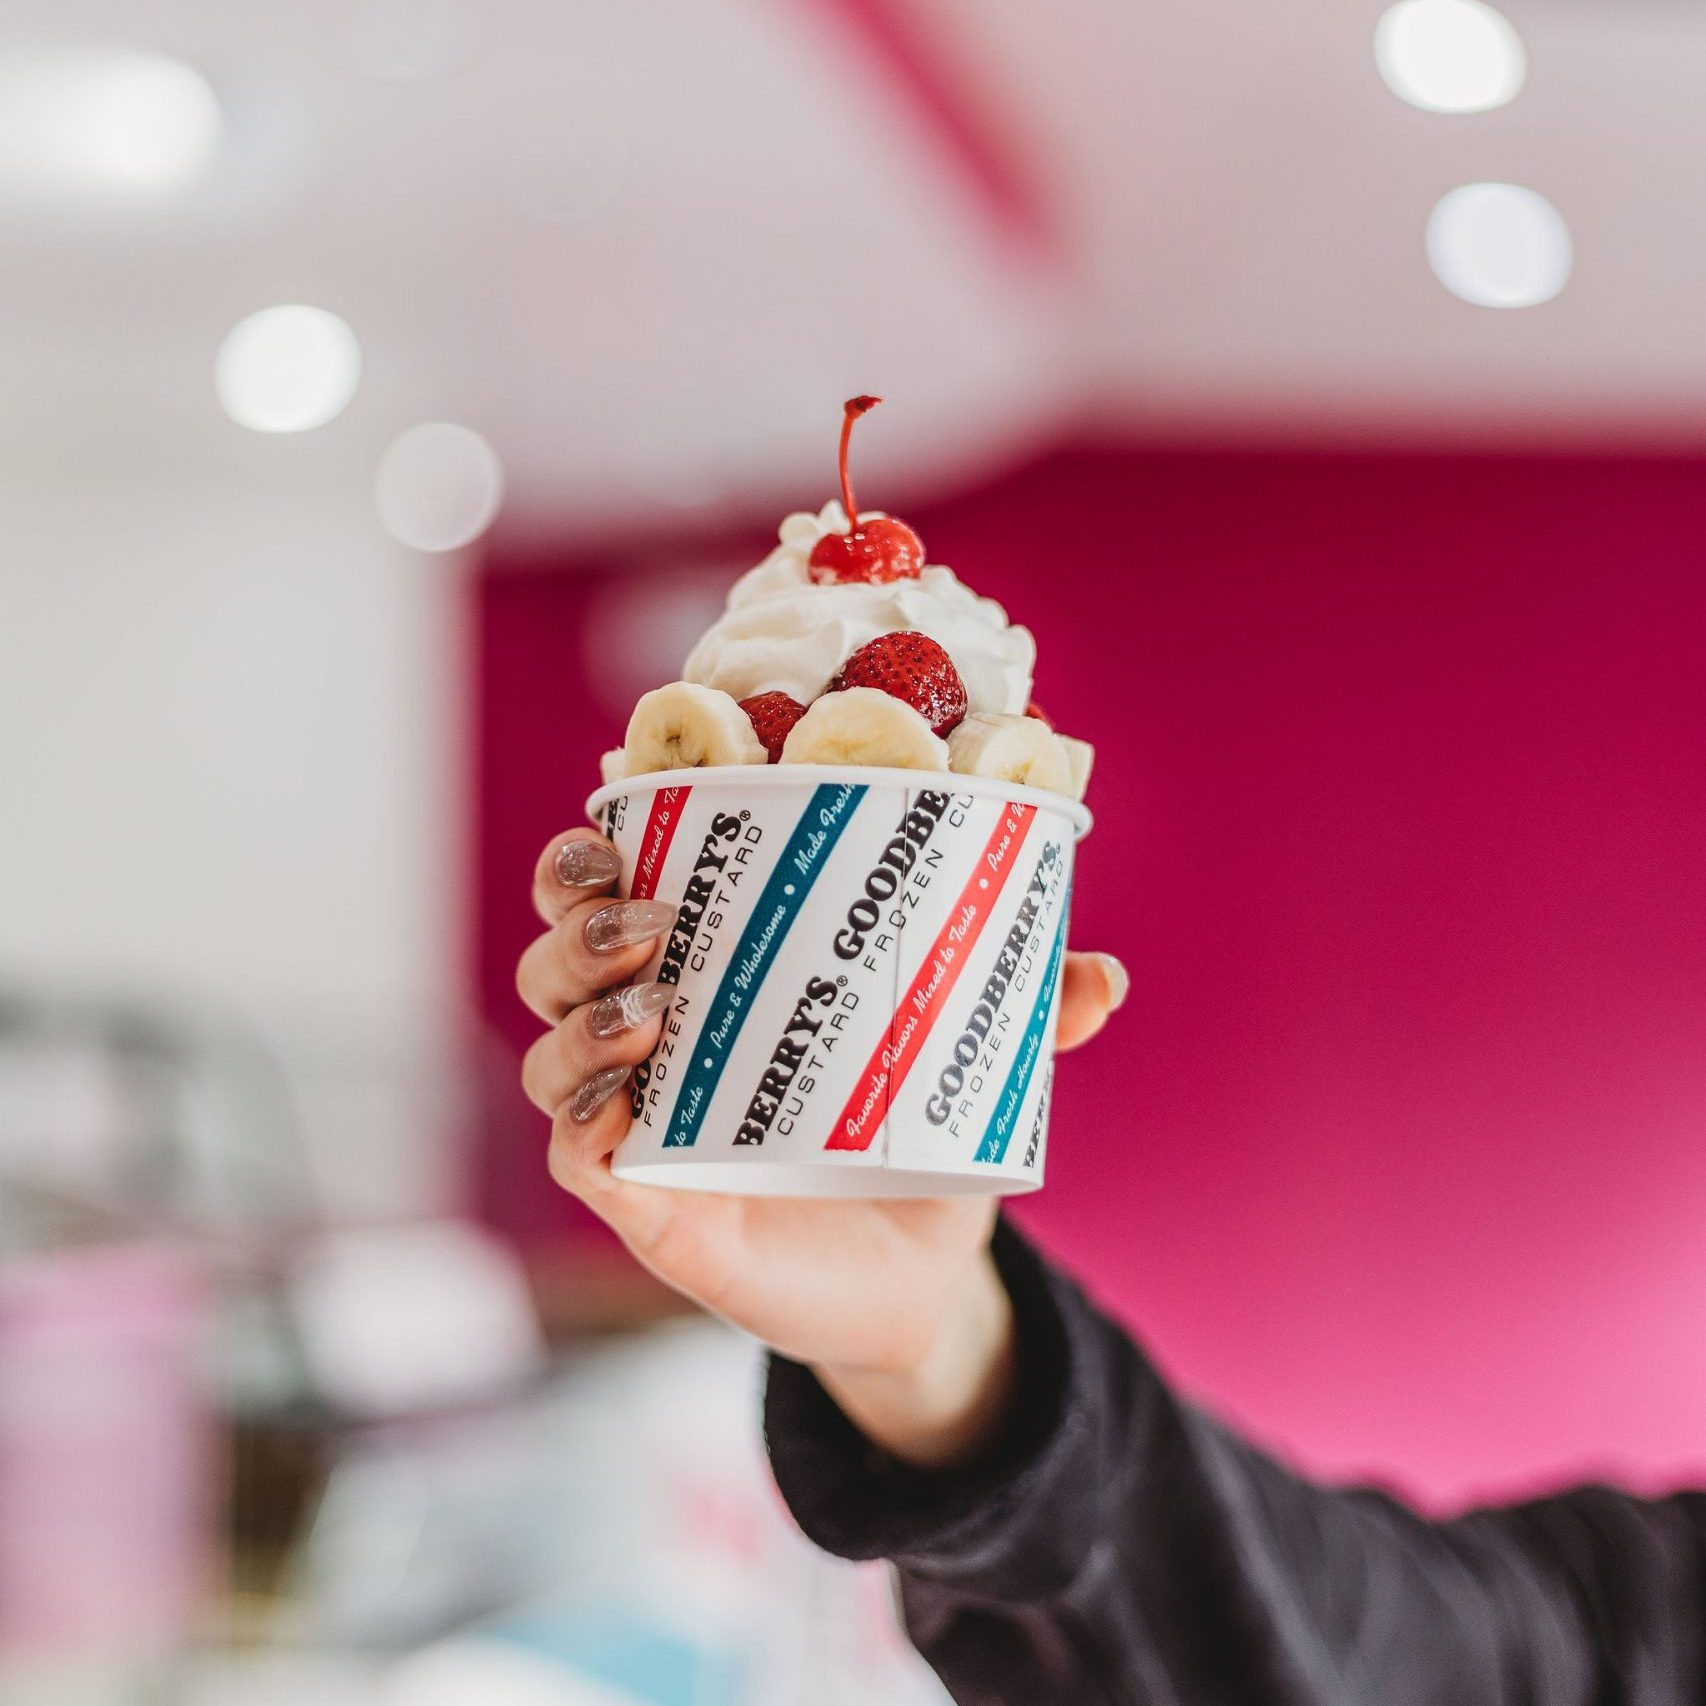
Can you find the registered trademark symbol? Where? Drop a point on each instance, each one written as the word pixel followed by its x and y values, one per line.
pixel 842 980
pixel 744 816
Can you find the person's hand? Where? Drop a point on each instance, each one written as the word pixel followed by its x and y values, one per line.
pixel 896 1304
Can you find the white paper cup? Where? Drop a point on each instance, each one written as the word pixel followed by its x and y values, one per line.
pixel 866 970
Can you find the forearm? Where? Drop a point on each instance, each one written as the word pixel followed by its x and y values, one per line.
pixel 1106 1535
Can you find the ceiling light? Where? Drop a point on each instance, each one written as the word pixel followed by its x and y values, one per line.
pixel 133 123
pixel 287 369
pixel 1499 246
pixel 1450 56
pixel 438 486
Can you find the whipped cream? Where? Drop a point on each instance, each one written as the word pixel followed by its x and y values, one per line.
pixel 783 632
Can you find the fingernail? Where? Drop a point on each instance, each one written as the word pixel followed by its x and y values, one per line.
pixel 587 864
pixel 625 922
pixel 628 1009
pixel 1118 980
pixel 596 1091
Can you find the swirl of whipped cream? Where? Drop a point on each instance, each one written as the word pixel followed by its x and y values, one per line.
pixel 783 632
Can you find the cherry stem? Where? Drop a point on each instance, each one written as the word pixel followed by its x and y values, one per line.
pixel 851 411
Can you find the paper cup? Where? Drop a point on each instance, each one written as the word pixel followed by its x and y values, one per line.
pixel 866 972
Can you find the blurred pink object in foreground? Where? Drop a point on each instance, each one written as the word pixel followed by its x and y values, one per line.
pixel 106 1454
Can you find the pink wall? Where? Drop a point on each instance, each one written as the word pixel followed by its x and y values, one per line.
pixel 1398 1152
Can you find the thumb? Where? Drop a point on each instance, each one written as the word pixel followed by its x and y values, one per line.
pixel 1094 987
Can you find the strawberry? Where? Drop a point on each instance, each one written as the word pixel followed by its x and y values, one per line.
pixel 915 670
pixel 772 715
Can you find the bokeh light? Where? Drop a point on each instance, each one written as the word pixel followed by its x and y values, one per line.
pixel 438 486
pixel 115 122
pixel 640 629
pixel 1499 246
pixel 287 369
pixel 1450 56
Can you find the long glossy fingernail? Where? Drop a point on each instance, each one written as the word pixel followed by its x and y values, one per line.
pixel 627 1009
pixel 625 922
pixel 1118 980
pixel 596 1091
pixel 587 864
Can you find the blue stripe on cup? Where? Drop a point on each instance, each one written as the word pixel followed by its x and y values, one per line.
pixel 813 837
pixel 993 1149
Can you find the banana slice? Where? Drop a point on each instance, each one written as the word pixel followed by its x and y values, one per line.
pixel 683 726
pixel 1010 749
pixel 613 766
pixel 1080 755
pixel 862 725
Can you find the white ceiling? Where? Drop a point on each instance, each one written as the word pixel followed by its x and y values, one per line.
pixel 1250 201
pixel 752 219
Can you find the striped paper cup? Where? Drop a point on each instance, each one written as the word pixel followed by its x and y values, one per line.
pixel 866 971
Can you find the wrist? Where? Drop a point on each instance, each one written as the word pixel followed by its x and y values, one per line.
pixel 941 1408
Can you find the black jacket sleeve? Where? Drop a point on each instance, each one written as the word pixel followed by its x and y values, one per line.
pixel 1116 1546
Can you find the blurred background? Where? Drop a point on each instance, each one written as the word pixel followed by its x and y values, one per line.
pixel 392 389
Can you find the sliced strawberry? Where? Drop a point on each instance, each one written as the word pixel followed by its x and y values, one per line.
pixel 772 715
pixel 1035 710
pixel 913 668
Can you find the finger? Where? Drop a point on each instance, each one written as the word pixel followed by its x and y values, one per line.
pixel 578 863
pixel 593 947
pixel 1094 987
pixel 619 1029
pixel 579 1161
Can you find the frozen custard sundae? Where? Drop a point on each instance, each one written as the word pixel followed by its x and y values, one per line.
pixel 846 647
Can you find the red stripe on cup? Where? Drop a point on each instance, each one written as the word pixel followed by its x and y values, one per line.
pixel 667 806
pixel 924 1001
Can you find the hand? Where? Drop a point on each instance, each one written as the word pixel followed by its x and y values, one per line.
pixel 895 1303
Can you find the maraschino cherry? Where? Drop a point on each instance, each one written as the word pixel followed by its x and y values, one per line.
pixel 879 549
